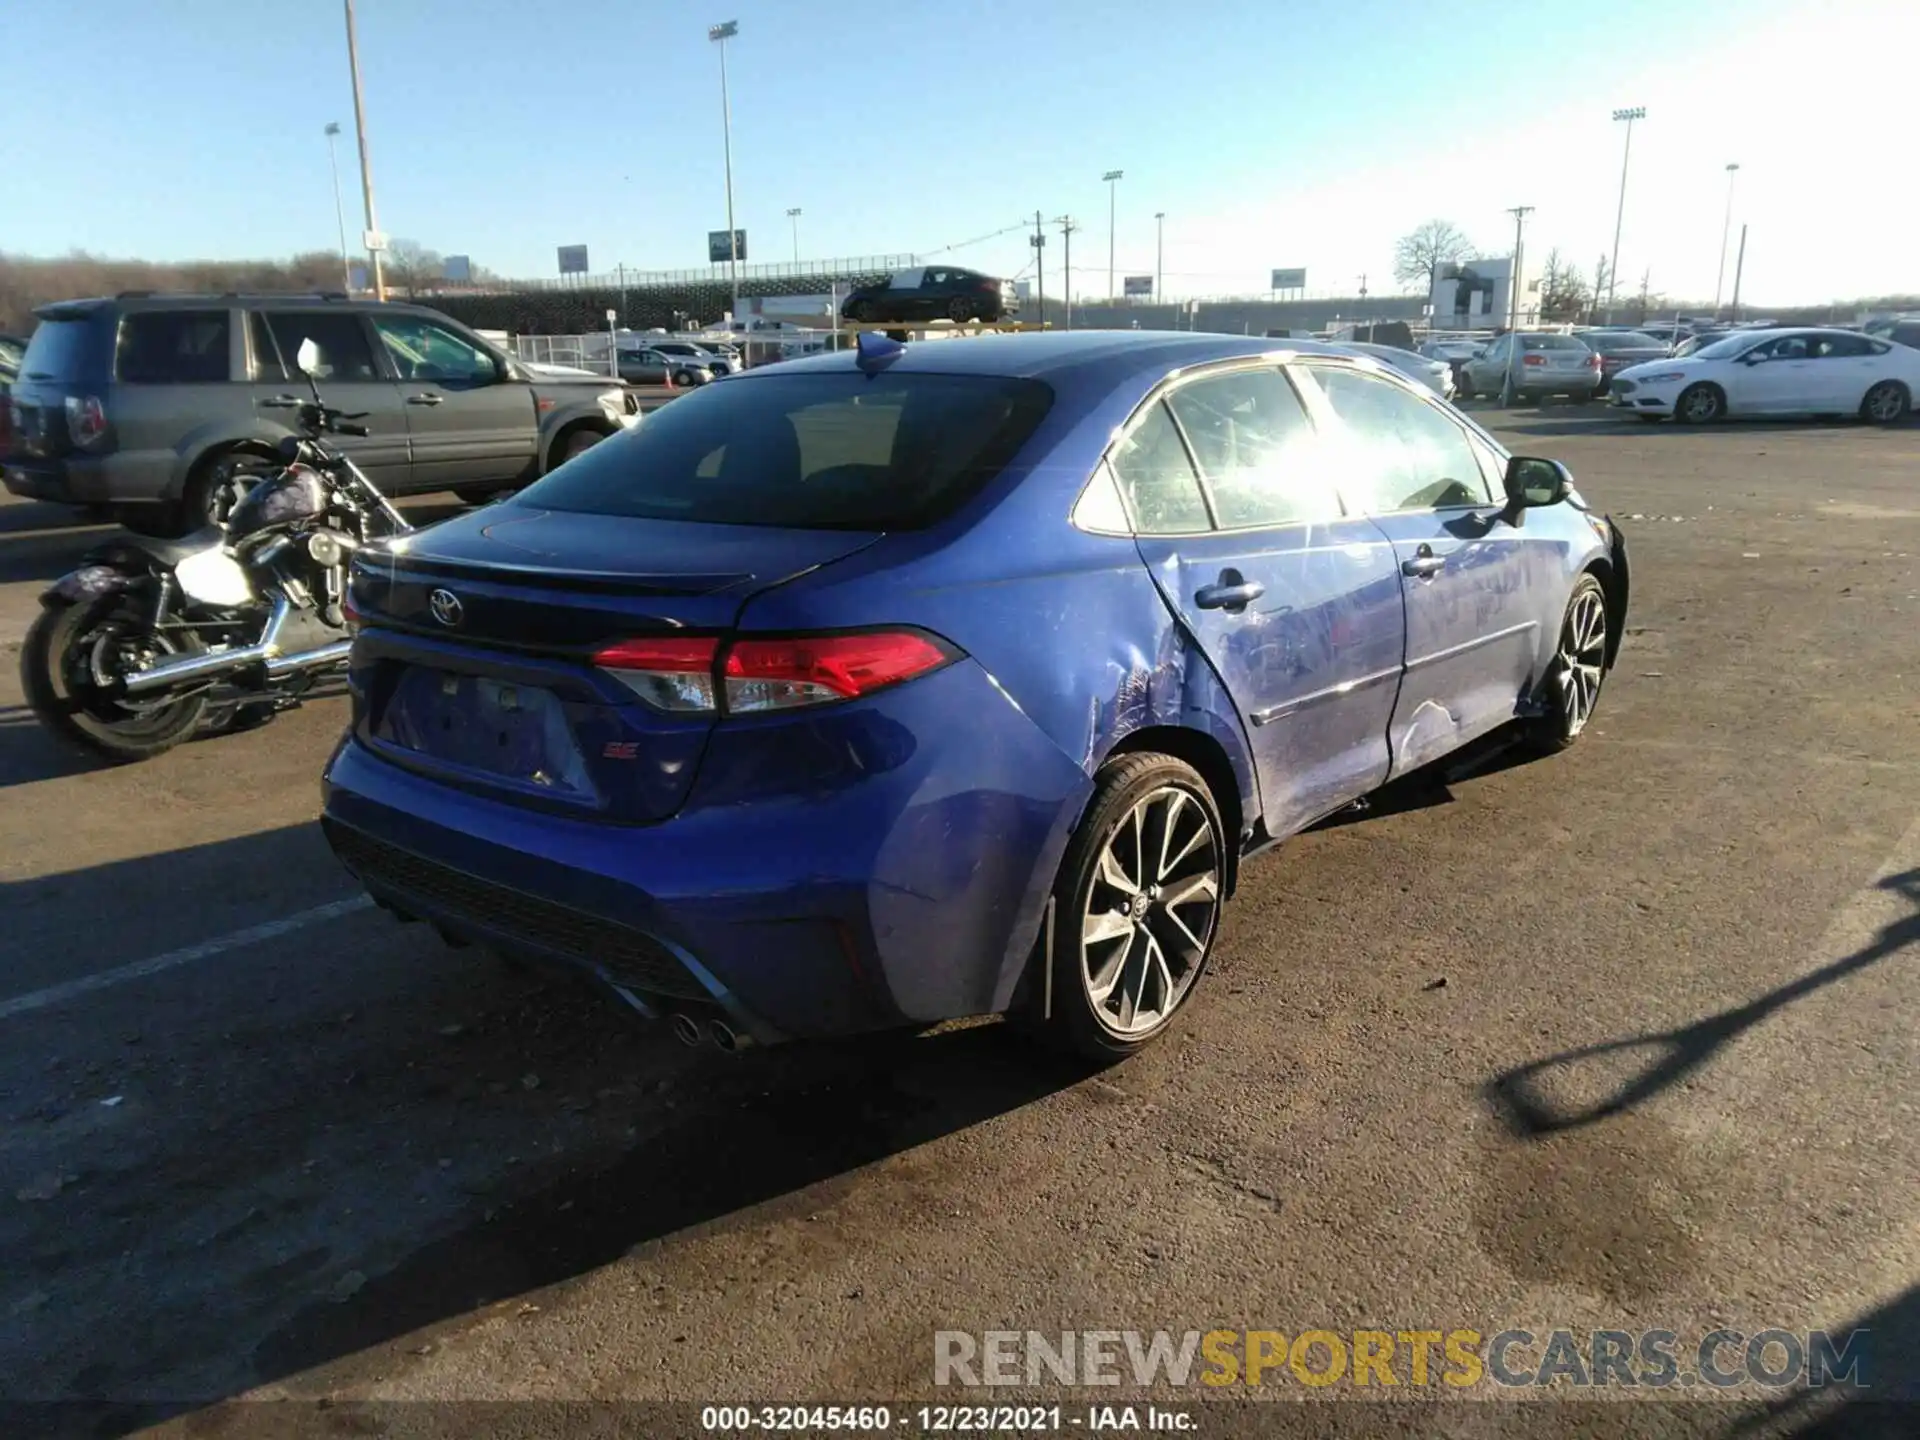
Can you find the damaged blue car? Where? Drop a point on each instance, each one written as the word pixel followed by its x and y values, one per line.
pixel 933 680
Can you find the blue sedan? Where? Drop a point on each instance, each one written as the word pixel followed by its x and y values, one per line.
pixel 915 682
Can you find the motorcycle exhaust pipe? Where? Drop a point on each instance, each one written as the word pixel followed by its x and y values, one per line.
pixel 686 1030
pixel 169 673
pixel 727 1038
pixel 281 666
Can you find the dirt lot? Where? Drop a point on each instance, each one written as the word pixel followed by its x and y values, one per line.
pixel 1624 1039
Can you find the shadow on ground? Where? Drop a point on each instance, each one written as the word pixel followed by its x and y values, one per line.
pixel 1515 1095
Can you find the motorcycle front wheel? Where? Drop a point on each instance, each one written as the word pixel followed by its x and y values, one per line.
pixel 71 654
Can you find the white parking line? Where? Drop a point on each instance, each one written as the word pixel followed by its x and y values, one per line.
pixel 173 959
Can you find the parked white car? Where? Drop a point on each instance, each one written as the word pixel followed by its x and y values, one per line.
pixel 1776 372
pixel 1436 375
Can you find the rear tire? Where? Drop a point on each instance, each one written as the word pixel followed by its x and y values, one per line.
pixel 1886 403
pixel 1136 906
pixel 959 310
pixel 860 311
pixel 1462 386
pixel 50 658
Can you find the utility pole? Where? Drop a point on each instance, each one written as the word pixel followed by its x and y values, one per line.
pixel 375 243
pixel 1039 242
pixel 1593 305
pixel 1738 266
pixel 1646 284
pixel 1720 275
pixel 793 214
pixel 1636 112
pixel 1514 282
pixel 1067 227
pixel 1159 257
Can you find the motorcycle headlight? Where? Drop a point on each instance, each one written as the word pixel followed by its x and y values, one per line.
pixel 325 548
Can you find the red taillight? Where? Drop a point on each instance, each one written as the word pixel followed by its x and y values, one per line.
pixel 1535 360
pixel 780 674
pixel 86 420
pixel 670 672
pixel 677 673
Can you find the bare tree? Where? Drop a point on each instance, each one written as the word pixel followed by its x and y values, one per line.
pixel 1563 289
pixel 411 266
pixel 1423 253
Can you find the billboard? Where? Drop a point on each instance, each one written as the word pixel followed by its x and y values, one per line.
pixel 1289 280
pixel 457 269
pixel 573 259
pixel 1139 285
pixel 717 251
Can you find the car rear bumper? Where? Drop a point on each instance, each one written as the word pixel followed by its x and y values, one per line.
pixel 130 478
pixel 884 863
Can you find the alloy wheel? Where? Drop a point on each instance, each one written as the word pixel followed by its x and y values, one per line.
pixel 1151 911
pixel 1885 403
pixel 1583 655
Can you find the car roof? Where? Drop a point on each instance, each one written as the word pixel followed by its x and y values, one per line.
pixel 1057 354
pixel 173 300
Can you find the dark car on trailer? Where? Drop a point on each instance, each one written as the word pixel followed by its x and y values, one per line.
pixel 933 292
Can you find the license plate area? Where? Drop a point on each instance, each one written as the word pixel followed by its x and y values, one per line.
pixel 516 734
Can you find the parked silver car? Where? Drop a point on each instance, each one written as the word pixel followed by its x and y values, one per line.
pixel 1436 375
pixel 1545 364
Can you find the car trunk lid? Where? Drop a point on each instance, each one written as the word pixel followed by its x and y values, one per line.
pixel 476 663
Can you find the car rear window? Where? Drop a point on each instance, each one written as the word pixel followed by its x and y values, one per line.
pixel 60 350
pixel 173 347
pixel 1553 342
pixel 1621 340
pixel 834 451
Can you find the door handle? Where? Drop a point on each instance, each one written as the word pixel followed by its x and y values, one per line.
pixel 1234 595
pixel 427 399
pixel 1425 564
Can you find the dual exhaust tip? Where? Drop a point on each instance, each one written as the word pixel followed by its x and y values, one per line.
pixel 689 1032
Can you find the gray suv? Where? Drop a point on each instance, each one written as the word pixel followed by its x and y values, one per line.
pixel 152 404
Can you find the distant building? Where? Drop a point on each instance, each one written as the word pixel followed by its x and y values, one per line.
pixel 1477 295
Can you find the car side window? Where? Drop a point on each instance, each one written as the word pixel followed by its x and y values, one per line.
pixel 1396 450
pixel 267 364
pixel 173 347
pixel 1256 449
pixel 1789 347
pixel 338 336
pixel 1841 347
pixel 1157 479
pixel 422 350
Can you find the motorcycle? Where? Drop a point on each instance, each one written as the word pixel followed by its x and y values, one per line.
pixel 149 640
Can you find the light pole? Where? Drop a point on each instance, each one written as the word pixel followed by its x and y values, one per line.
pixel 1631 114
pixel 1112 178
pixel 1720 275
pixel 794 215
pixel 1159 256
pixel 375 244
pixel 1067 227
pixel 720 34
pixel 1519 213
pixel 340 210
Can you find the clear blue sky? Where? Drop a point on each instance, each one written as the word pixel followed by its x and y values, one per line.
pixel 1271 133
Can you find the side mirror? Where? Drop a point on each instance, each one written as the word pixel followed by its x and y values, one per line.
pixel 307 358
pixel 1532 483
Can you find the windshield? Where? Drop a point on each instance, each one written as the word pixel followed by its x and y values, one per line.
pixel 826 450
pixel 1725 348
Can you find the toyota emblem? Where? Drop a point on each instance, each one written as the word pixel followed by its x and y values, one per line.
pixel 446 607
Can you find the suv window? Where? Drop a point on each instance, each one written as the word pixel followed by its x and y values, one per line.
pixel 422 350
pixel 173 347
pixel 1255 448
pixel 1399 452
pixel 61 350
pixel 337 334
pixel 829 451
pixel 1157 478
